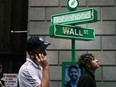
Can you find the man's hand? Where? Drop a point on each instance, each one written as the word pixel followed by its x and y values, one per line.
pixel 42 60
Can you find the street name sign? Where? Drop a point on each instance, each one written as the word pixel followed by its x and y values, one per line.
pixel 75 17
pixel 69 32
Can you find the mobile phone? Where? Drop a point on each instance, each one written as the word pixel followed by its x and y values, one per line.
pixel 33 55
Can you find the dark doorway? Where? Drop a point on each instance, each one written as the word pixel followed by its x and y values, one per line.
pixel 13 17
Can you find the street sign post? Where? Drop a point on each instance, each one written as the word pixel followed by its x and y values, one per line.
pixel 75 17
pixel 71 32
pixel 61 25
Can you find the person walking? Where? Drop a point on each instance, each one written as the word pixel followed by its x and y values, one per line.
pixel 35 71
pixel 89 63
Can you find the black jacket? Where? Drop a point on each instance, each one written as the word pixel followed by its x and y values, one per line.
pixel 87 80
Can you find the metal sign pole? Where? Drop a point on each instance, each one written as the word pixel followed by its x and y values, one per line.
pixel 73 50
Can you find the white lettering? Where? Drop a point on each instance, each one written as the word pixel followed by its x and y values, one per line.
pixel 71 32
pixel 85 31
pixel 65 30
pixel 72 17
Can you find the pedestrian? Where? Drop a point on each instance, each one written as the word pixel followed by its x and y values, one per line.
pixel 35 71
pixel 73 75
pixel 89 63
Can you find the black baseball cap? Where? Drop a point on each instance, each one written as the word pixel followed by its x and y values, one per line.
pixel 36 42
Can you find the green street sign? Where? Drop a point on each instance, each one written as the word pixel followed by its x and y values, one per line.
pixel 69 32
pixel 72 5
pixel 75 17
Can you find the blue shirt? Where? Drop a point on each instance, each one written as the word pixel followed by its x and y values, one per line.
pixel 30 74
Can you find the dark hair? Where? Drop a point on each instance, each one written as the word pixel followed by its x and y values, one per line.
pixel 85 59
pixel 73 66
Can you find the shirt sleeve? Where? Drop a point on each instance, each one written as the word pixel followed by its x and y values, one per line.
pixel 34 76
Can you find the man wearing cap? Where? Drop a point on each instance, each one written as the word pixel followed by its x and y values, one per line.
pixel 89 63
pixel 35 71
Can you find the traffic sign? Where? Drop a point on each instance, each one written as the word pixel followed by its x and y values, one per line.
pixel 75 17
pixel 69 32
